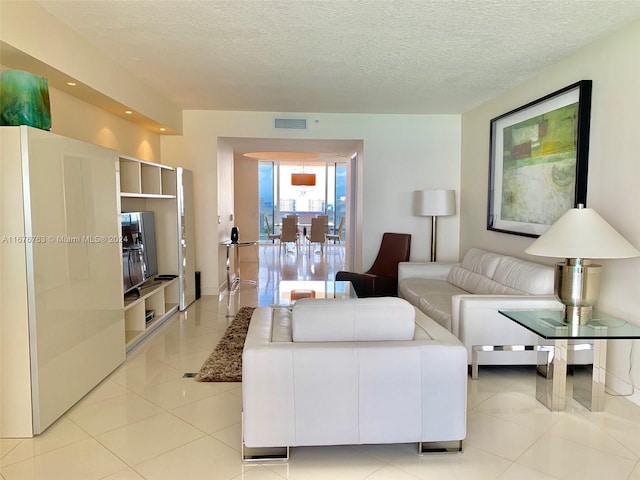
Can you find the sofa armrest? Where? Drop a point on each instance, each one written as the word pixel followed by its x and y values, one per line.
pixel 475 319
pixel 427 328
pixel 433 270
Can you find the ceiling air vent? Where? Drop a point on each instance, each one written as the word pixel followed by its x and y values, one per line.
pixel 291 123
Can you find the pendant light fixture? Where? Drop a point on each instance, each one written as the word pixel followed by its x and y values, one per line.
pixel 303 179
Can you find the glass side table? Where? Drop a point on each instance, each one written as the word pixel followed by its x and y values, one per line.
pixel 555 334
pixel 232 286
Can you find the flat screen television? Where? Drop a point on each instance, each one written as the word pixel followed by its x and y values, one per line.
pixel 139 258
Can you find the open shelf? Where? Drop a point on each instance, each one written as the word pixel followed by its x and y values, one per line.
pixel 139 178
pixel 157 296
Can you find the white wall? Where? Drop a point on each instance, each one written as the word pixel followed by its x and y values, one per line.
pixel 101 128
pixel 246 203
pixel 614 172
pixel 401 153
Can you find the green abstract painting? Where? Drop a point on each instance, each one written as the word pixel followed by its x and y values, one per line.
pixel 539 164
pixel 24 99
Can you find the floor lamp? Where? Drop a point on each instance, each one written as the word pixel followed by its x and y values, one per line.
pixel 434 204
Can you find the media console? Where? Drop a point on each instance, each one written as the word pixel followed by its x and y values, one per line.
pixel 157 296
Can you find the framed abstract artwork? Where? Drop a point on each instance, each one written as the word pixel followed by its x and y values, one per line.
pixel 538 161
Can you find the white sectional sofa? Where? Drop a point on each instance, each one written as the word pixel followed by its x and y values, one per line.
pixel 465 298
pixel 356 371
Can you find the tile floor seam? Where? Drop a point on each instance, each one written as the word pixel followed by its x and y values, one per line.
pixel 128 387
pixel 177 406
pixel 602 432
pixel 48 451
pixel 129 392
pixel 156 455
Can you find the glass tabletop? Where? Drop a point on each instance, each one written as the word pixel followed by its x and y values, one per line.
pixel 229 243
pixel 550 324
pixel 289 291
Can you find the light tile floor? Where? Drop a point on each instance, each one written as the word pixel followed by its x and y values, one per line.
pixel 146 421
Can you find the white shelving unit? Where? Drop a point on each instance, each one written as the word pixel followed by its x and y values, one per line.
pixel 159 297
pixel 148 186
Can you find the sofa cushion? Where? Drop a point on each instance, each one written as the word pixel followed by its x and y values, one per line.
pixel 432 296
pixel 525 276
pixel 412 289
pixel 438 308
pixel 350 320
pixel 475 273
pixel 479 284
pixel 481 262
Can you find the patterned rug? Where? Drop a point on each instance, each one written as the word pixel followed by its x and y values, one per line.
pixel 225 363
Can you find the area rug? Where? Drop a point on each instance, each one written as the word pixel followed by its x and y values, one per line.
pixel 225 363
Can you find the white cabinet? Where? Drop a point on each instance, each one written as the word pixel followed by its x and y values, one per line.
pixel 61 305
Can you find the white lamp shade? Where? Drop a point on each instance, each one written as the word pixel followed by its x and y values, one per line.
pixel 429 203
pixel 582 233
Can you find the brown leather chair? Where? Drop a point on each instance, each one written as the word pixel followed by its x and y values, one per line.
pixel 381 280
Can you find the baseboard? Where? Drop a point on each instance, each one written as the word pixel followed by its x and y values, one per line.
pixel 617 387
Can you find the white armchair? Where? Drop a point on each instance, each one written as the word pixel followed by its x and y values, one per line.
pixel 357 371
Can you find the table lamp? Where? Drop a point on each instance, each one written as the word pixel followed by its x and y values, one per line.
pixel 434 204
pixel 579 236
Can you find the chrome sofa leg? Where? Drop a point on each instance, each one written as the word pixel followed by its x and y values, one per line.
pixel 475 349
pixel 452 446
pixel 262 454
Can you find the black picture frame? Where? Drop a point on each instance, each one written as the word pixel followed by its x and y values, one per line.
pixel 538 161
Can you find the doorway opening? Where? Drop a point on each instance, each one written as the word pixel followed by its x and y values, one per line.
pixel 253 180
pixel 279 196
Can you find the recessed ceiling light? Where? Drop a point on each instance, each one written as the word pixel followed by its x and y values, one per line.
pixel 72 84
pixel 128 112
pixel 162 129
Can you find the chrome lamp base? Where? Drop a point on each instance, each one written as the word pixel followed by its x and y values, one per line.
pixel 577 286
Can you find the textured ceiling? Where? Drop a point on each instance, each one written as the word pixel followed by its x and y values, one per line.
pixel 341 56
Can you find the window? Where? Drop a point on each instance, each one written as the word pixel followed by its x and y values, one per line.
pixel 279 198
pixel 266 195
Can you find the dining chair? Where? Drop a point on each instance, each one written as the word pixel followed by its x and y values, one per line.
pixel 325 218
pixel 289 233
pixel 270 234
pixel 317 234
pixel 337 234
